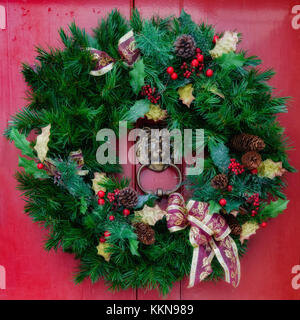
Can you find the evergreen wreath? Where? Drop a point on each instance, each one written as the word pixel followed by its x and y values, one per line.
pixel 177 71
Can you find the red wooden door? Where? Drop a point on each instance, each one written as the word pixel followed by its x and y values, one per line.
pixel 31 272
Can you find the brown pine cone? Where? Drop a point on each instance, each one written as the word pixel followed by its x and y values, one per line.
pixel 144 232
pixel 233 224
pixel 185 46
pixel 220 181
pixel 251 160
pixel 128 198
pixel 247 142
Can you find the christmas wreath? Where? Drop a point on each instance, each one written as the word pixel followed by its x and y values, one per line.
pixel 169 70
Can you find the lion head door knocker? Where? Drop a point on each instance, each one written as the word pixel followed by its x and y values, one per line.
pixel 155 151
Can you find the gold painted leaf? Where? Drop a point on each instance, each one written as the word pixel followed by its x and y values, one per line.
pixel 156 113
pixel 103 250
pixel 41 145
pixel 225 45
pixel 98 178
pixel 248 229
pixel 150 215
pixel 270 169
pixel 186 94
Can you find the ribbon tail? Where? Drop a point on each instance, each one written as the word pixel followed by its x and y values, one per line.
pixel 227 254
pixel 201 266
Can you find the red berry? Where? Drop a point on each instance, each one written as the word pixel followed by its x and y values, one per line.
pixel 200 57
pixel 174 76
pixel 195 63
pixel 229 188
pixel 102 239
pixel 101 194
pixel 40 166
pixel 198 50
pixel 111 218
pixel 209 73
pixel 126 212
pixel 170 70
pixel 263 224
pixel 254 171
pixel 254 212
pixel 107 234
pixel 222 202
pixel 101 201
pixel 215 38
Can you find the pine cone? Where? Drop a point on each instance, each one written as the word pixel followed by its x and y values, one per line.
pixel 145 233
pixel 185 46
pixel 220 181
pixel 128 198
pixel 247 142
pixel 233 224
pixel 251 160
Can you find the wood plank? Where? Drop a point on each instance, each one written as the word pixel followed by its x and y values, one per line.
pixel 267 32
pixel 147 9
pixel 32 273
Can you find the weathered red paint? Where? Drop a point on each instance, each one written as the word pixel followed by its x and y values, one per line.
pixel 31 272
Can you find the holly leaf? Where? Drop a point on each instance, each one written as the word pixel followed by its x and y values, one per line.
pixel 21 142
pixel 138 110
pixel 273 209
pixel 42 140
pixel 137 76
pixel 133 246
pixel 145 199
pixel 214 207
pixel 220 155
pixel 186 94
pixel 31 168
pixel 232 205
pixel 231 60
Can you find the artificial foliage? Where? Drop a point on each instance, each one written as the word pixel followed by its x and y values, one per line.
pixel 91 214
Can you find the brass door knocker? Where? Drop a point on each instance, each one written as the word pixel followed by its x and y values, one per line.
pixel 155 152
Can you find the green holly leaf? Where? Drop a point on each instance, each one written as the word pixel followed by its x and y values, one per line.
pixel 31 168
pixel 147 199
pixel 214 207
pixel 133 246
pixel 231 60
pixel 220 155
pixel 232 205
pixel 21 142
pixel 273 209
pixel 138 110
pixel 137 76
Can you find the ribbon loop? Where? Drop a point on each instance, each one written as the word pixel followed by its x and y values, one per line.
pixel 209 235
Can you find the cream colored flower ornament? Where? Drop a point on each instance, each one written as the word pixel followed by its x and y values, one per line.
pixel 225 44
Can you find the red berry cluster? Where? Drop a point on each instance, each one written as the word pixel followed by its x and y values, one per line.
pixel 111 196
pixel 101 195
pixel 172 73
pixel 106 234
pixel 235 167
pixel 150 93
pixel 254 200
pixel 195 65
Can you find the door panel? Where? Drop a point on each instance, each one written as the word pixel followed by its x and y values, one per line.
pixel 267 32
pixel 31 272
